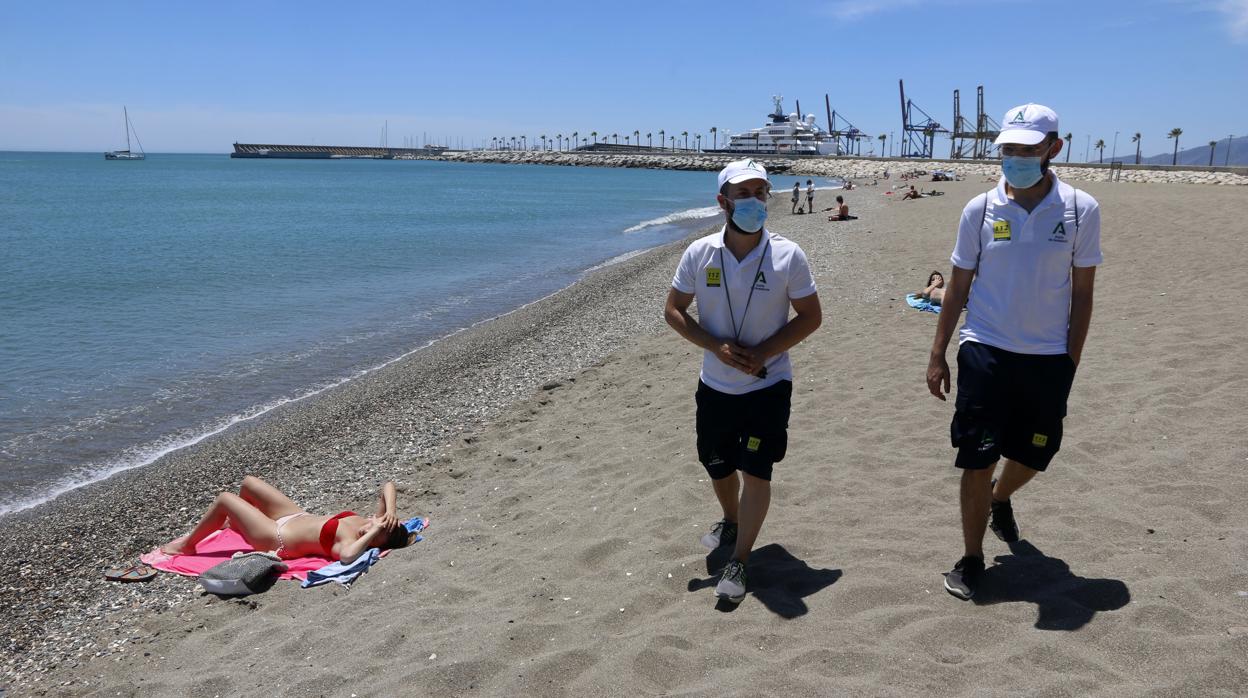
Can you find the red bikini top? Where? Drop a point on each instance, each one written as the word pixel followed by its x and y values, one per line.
pixel 329 531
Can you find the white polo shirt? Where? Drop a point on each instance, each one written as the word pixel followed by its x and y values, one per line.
pixel 1020 297
pixel 710 271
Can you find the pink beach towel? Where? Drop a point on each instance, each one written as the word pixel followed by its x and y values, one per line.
pixel 218 547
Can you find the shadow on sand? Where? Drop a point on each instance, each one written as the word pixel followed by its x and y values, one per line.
pixel 776 578
pixel 1065 601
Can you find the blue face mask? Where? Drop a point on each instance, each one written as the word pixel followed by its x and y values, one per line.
pixel 748 214
pixel 1022 172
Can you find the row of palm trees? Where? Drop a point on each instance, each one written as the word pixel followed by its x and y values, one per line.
pixel 560 142
pixel 1137 139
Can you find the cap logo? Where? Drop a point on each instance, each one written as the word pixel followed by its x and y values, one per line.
pixel 1018 118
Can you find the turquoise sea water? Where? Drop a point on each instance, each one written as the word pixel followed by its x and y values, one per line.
pixel 145 305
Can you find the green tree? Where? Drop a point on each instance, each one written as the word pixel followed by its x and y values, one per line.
pixel 661 134
pixel 882 137
pixel 1068 138
pixel 714 138
pixel 1175 133
pixel 1100 145
pixel 637 138
pixel 685 135
pixel 1212 145
pixel 1137 139
pixel 595 135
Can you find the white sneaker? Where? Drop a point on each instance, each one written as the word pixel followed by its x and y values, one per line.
pixel 722 533
pixel 731 585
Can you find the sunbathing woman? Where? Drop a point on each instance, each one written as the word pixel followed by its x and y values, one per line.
pixel 269 520
pixel 935 291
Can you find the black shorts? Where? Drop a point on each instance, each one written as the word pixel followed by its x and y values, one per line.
pixel 746 432
pixel 1009 405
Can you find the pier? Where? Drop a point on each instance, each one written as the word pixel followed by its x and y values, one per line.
pixel 329 152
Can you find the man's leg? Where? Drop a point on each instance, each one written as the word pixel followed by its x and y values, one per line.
pixel 728 492
pixel 976 496
pixel 1013 476
pixel 755 500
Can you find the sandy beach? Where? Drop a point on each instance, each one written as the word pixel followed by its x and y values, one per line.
pixel 553 450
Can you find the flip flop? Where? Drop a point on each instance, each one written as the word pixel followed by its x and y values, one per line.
pixel 133 573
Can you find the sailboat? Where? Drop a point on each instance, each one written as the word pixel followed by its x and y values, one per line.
pixel 126 154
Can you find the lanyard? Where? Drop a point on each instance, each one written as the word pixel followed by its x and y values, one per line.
pixel 736 333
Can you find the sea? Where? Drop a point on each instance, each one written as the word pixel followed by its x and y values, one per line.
pixel 146 306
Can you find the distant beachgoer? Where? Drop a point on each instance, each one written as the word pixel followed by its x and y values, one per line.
pixel 1026 257
pixel 912 194
pixel 934 291
pixel 745 386
pixel 842 211
pixel 269 520
pixel 797 189
pixel 810 196
pixel 885 174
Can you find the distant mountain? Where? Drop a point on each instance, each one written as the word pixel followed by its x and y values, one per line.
pixel 1190 155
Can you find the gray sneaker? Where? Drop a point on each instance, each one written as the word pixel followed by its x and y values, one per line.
pixel 722 533
pixel 731 585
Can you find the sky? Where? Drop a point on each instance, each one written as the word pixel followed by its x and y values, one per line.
pixel 197 77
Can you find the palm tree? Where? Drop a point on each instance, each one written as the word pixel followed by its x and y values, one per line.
pixel 1068 138
pixel 661 134
pixel 560 137
pixel 616 136
pixel 494 142
pixel 574 135
pixel 883 137
pixel 637 138
pixel 698 138
pixel 1212 145
pixel 714 138
pixel 1175 133
pixel 595 135
pixel 673 139
pixel 543 141
pixel 648 141
pixel 1100 145
pixel 626 140
pixel 685 135
pixel 1137 140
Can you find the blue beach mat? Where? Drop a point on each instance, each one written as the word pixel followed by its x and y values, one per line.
pixel 918 303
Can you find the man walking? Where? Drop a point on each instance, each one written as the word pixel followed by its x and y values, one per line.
pixel 1026 255
pixel 744 279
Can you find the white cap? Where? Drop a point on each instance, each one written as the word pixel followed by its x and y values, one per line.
pixel 739 171
pixel 1027 124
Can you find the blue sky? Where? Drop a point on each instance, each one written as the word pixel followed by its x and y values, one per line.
pixel 199 76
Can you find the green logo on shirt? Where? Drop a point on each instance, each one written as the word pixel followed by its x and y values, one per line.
pixel 1059 233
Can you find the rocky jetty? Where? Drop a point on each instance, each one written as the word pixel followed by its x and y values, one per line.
pixel 843 167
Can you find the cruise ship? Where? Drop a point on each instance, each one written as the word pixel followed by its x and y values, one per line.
pixel 783 135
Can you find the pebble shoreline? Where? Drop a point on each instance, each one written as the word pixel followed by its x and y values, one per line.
pixel 829 167
pixel 325 452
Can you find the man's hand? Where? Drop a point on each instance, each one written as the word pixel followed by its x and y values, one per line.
pixel 738 357
pixel 938 375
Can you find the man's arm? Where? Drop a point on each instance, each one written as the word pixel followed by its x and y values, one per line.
pixel 1082 279
pixel 676 312
pixel 808 318
pixel 956 291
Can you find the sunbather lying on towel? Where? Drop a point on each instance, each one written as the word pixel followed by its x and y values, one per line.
pixel 934 293
pixel 269 520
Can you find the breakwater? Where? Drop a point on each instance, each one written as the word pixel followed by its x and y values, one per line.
pixel 846 167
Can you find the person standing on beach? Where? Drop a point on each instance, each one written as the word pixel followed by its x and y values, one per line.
pixel 1023 267
pixel 797 193
pixel 810 196
pixel 744 279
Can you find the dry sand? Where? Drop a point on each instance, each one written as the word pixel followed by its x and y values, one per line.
pixel 563 557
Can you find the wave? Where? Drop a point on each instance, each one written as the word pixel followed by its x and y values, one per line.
pixel 686 215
